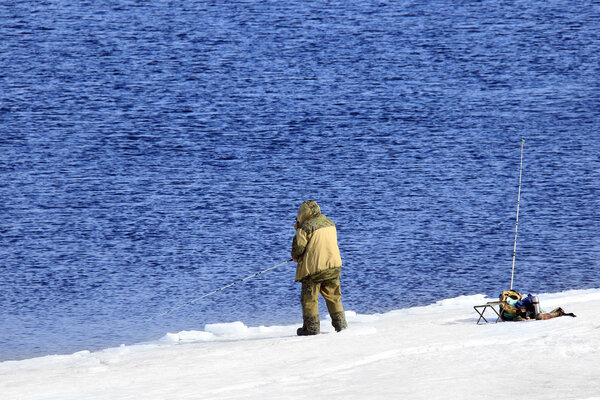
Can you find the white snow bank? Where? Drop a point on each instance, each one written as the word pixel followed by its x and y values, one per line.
pixel 226 331
pixel 238 331
pixel 432 352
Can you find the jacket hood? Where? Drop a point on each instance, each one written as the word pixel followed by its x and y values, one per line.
pixel 308 209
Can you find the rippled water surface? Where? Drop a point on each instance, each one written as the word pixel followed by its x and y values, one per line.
pixel 151 152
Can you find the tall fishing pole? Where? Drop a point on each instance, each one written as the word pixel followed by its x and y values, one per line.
pixel 218 290
pixel 517 223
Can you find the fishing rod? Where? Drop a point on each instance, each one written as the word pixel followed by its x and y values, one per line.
pixel 517 223
pixel 218 290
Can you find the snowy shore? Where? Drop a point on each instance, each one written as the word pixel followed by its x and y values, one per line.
pixel 432 352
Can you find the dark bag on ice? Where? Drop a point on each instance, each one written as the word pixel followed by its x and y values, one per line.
pixel 530 304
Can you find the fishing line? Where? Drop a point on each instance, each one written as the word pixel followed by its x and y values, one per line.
pixel 517 223
pixel 218 290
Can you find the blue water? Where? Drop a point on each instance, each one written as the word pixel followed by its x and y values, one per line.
pixel 151 152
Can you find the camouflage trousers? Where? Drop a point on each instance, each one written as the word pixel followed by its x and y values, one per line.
pixel 557 312
pixel 331 291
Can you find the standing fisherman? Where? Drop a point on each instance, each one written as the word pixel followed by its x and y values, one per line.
pixel 316 251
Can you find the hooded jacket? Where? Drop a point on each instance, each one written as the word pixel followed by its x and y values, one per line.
pixel 315 242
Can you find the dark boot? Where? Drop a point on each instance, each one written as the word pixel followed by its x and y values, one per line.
pixel 338 320
pixel 312 326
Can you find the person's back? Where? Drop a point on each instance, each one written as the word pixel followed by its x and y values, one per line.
pixel 315 246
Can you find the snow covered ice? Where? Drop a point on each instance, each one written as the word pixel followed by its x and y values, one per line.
pixel 431 352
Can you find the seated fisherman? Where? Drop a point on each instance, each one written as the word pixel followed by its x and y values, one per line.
pixel 519 308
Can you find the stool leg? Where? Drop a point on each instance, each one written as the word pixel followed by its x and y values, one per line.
pixel 481 314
